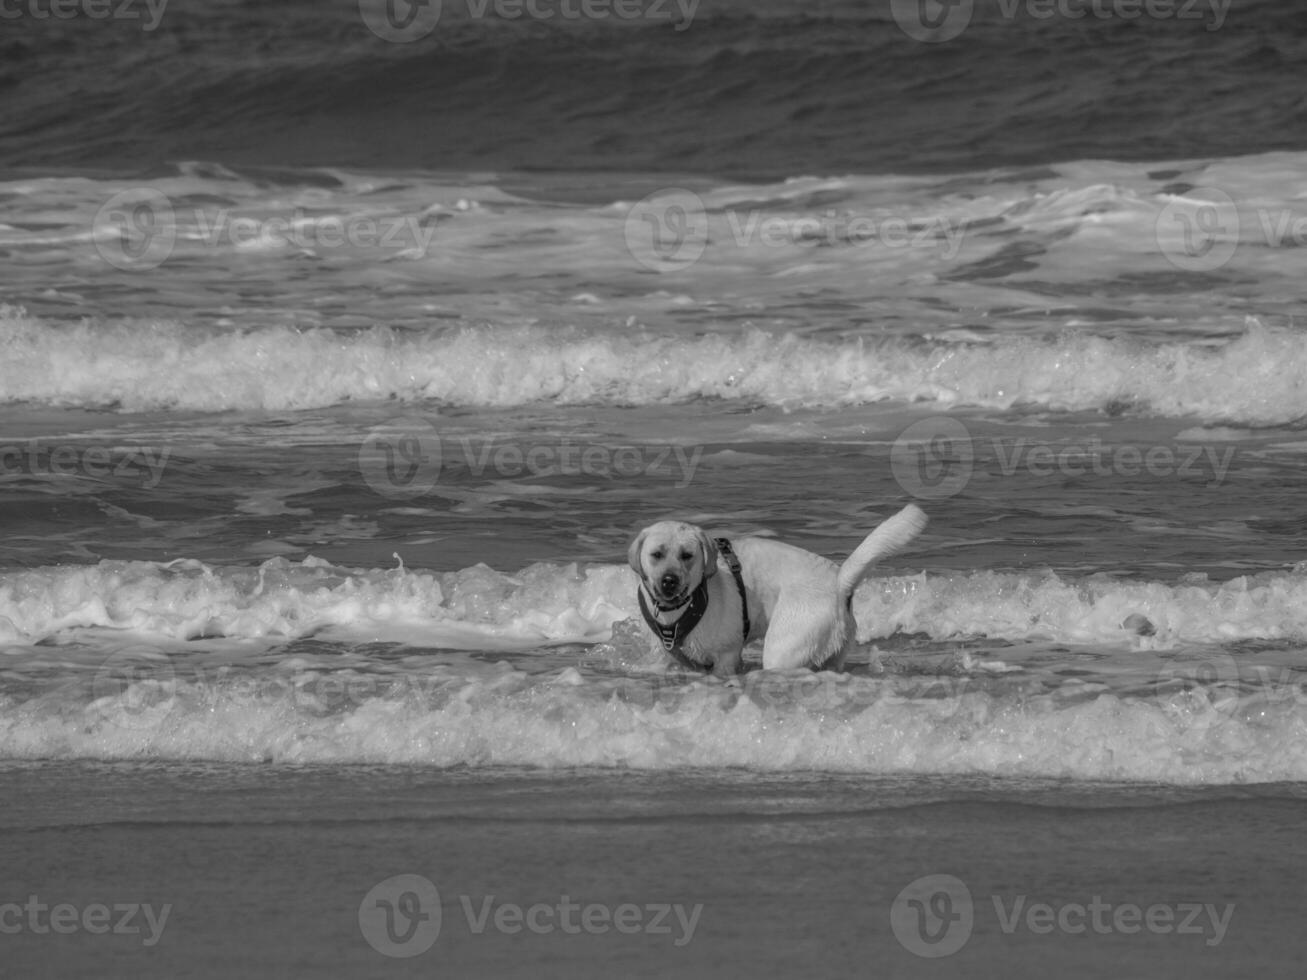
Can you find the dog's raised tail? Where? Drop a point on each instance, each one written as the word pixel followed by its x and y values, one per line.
pixel 894 534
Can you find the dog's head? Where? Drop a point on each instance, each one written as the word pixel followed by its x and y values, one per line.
pixel 672 558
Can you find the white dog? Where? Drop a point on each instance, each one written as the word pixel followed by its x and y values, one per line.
pixel 799 601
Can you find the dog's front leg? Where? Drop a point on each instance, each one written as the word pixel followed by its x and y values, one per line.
pixel 728 664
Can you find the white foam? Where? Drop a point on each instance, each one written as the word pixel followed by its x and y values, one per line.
pixel 480 716
pixel 157 693
pixel 188 599
pixel 480 608
pixel 1021 606
pixel 139 365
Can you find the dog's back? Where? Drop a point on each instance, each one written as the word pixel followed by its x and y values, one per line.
pixel 808 596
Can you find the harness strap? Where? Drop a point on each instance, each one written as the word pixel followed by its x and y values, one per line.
pixel 672 635
pixel 732 560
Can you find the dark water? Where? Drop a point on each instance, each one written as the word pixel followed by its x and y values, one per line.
pixel 258 871
pixel 746 89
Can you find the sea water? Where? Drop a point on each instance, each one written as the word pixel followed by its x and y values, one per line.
pixel 318 477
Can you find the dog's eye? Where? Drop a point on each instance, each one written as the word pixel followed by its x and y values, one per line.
pixel 686 555
pixel 657 554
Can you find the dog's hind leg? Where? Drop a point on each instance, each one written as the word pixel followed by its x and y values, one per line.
pixel 806 630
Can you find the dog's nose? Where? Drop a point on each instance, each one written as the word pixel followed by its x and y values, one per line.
pixel 670 583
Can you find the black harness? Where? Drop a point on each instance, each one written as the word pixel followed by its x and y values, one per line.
pixel 673 635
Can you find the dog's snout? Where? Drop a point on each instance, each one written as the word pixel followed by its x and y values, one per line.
pixel 669 583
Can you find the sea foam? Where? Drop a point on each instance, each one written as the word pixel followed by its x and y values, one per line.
pixel 136 366
pixel 190 661
pixel 551 603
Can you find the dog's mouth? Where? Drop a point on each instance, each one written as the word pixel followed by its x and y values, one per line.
pixel 670 591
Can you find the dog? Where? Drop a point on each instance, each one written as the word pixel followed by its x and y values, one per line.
pixel 798 602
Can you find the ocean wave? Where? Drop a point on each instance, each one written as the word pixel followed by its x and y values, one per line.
pixel 187 599
pixel 781 87
pixel 139 365
pixel 548 604
pixel 497 715
pixel 154 661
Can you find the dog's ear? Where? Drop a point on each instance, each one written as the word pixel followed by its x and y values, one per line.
pixel 709 548
pixel 633 553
